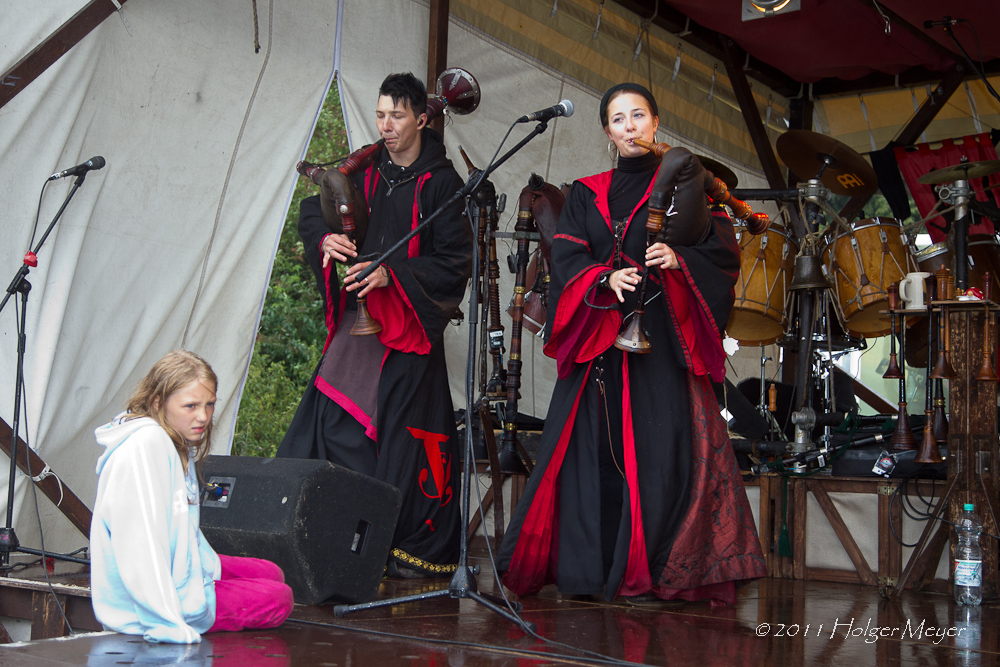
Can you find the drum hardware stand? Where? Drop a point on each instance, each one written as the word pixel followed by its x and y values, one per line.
pixel 807 280
pixel 959 193
pixel 20 285
pixel 463 583
pixel 768 404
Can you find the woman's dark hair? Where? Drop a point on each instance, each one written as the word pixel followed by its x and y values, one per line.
pixel 621 89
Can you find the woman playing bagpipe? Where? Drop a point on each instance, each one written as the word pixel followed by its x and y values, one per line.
pixel 636 492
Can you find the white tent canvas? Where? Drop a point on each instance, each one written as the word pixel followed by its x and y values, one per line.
pixel 168 246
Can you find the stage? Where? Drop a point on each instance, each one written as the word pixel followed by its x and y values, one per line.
pixel 774 622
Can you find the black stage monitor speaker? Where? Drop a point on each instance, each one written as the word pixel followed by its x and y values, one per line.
pixel 327 527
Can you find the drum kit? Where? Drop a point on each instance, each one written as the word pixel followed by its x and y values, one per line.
pixel 826 288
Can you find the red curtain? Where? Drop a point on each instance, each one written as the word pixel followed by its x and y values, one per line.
pixel 915 163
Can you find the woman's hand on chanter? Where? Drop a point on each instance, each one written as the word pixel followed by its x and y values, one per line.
pixel 378 278
pixel 338 247
pixel 660 254
pixel 624 279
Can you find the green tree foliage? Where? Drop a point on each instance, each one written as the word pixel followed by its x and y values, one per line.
pixel 292 332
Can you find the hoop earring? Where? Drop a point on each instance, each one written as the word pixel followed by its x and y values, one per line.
pixel 612 152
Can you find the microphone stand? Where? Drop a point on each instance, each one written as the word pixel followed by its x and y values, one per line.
pixel 20 285
pixel 463 583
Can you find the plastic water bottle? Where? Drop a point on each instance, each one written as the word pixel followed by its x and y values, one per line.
pixel 968 559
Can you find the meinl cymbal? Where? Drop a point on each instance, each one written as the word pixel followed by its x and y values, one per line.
pixel 961 172
pixel 838 166
pixel 721 171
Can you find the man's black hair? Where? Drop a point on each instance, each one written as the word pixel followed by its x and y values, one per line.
pixel 405 87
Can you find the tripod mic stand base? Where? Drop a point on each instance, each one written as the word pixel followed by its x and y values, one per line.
pixel 462 586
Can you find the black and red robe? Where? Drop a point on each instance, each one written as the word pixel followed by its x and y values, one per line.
pixel 381 404
pixel 636 488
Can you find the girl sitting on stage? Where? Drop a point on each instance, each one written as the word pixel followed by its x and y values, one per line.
pixel 152 571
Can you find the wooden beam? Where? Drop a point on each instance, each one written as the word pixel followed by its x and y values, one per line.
pixel 69 34
pixel 758 133
pixel 932 105
pixel 60 494
pixel 842 531
pixel 437 48
pixel 868 395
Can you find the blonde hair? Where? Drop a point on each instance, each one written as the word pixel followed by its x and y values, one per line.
pixel 169 375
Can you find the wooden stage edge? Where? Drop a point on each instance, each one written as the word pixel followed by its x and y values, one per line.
pixel 774 622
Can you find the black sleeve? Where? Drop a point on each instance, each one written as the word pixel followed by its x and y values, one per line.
pixel 434 282
pixel 312 229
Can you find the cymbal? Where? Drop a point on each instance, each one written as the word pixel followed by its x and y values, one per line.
pixel 838 166
pixel 961 172
pixel 721 171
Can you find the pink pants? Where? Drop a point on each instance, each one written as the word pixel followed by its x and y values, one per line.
pixel 251 593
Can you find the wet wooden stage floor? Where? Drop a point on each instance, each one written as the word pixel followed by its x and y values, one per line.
pixel 775 622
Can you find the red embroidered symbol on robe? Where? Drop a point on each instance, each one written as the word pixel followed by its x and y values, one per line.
pixel 437 468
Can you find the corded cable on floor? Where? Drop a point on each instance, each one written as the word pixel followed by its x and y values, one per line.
pixel 569 659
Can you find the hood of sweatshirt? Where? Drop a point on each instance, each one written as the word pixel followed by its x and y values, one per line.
pixel 115 432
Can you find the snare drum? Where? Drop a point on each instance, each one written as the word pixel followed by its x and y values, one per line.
pixel 862 262
pixel 766 262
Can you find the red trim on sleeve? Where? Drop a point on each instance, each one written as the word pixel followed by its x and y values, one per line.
pixel 677 293
pixel 706 330
pixel 573 239
pixel 401 328
pixel 581 333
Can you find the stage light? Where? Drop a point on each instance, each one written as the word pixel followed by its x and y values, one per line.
pixel 757 9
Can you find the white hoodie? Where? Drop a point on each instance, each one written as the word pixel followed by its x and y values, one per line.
pixel 152 571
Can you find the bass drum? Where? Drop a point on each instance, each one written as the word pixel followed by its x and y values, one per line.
pixel 766 263
pixel 862 262
pixel 984 257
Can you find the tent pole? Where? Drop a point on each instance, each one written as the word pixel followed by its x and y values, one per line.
pixel 437 48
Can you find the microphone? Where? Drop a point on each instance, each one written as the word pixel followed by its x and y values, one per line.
pixel 96 162
pixel 564 108
pixel 946 21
